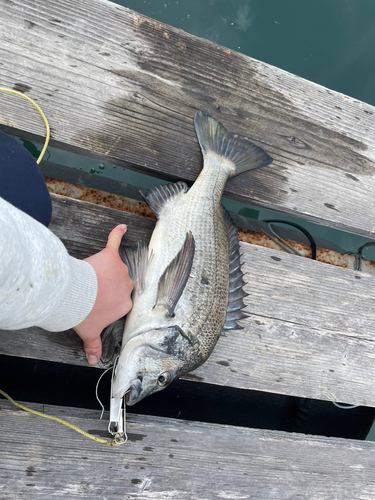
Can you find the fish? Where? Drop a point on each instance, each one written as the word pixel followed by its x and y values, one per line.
pixel 188 283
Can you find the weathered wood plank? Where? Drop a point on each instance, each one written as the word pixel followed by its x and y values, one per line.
pixel 117 85
pixel 310 330
pixel 167 459
pixel 84 227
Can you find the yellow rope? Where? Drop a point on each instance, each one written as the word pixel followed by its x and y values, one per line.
pixel 42 114
pixel 57 419
pixel 25 408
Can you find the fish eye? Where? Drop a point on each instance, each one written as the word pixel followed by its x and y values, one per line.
pixel 164 379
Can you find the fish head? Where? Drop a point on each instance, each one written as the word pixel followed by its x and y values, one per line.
pixel 149 362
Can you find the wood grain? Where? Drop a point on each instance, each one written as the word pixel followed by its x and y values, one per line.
pixel 310 330
pixel 119 86
pixel 166 459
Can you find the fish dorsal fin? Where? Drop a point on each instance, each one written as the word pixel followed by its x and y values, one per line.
pixel 137 262
pixel 158 196
pixel 174 279
pixel 236 281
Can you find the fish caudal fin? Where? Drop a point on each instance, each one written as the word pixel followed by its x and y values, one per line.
pixel 213 136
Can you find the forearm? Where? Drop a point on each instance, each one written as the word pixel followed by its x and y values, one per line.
pixel 40 284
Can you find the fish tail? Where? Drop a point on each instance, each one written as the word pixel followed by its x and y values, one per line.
pixel 240 152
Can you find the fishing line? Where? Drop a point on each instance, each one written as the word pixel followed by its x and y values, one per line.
pixel 348 407
pixel 97 387
pixel 60 420
pixel 16 92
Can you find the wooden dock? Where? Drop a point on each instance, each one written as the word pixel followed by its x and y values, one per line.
pixel 123 88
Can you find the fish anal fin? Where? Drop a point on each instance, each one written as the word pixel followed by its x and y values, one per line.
pixel 173 281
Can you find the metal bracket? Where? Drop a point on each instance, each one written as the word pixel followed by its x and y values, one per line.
pixel 117 414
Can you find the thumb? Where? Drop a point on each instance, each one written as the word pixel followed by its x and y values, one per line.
pixel 115 236
pixel 93 349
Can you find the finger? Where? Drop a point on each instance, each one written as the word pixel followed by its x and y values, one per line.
pixel 93 349
pixel 115 237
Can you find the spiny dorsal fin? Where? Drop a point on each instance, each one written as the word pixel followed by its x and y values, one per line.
pixel 137 262
pixel 213 136
pixel 158 196
pixel 174 279
pixel 236 282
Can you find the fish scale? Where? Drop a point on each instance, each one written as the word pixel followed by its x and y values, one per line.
pixel 211 260
pixel 204 218
pixel 188 285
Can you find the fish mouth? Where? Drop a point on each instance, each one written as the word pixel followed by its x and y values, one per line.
pixel 133 392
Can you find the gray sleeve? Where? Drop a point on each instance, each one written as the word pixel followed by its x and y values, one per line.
pixel 40 284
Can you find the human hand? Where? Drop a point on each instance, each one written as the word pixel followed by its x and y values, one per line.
pixel 113 296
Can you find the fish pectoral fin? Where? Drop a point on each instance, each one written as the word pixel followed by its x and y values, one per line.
pixel 185 335
pixel 174 279
pixel 137 262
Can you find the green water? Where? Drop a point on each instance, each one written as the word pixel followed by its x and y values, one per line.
pixel 331 42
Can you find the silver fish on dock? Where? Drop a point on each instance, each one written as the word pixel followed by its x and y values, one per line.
pixel 188 282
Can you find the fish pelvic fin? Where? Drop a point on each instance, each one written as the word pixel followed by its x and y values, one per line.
pixel 239 150
pixel 137 262
pixel 173 281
